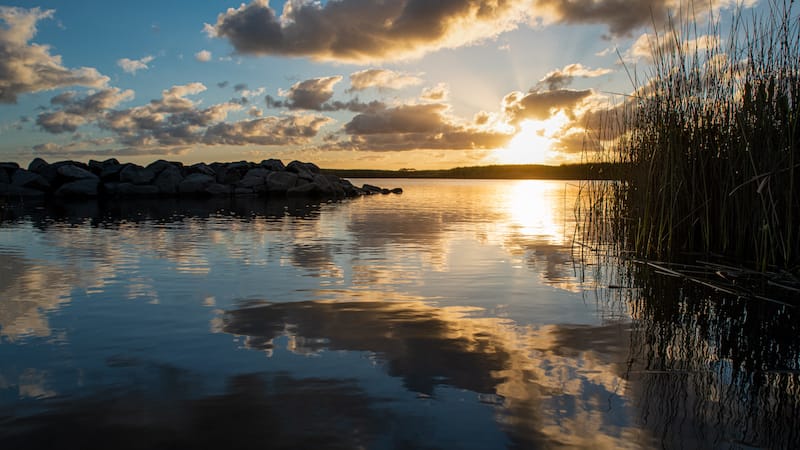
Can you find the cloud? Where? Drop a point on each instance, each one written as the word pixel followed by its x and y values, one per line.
pixel 309 94
pixel 239 87
pixel 415 127
pixel 437 93
pixel 134 65
pixel 76 110
pixel 286 130
pixel 562 78
pixel 649 45
pixel 381 79
pixel 203 56
pixel 540 105
pixel 27 67
pixel 363 31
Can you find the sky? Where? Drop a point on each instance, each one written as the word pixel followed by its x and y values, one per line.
pixel 384 84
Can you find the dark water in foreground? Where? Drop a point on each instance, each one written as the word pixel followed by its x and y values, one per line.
pixel 453 316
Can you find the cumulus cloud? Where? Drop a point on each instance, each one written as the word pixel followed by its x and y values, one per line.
pixel 27 67
pixel 381 79
pixel 76 110
pixel 437 93
pixel 308 94
pixel 414 127
pixel 540 105
pixel 203 56
pixel 134 65
pixel 562 78
pixel 285 130
pixel 649 45
pixel 360 31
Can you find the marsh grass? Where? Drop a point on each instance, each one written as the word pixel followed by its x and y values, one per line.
pixel 711 141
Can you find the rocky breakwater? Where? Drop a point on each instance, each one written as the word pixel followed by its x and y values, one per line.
pixel 112 179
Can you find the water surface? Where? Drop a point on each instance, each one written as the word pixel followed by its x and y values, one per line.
pixel 455 315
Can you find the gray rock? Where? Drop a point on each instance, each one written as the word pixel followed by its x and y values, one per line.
pixel 243 192
pixel 37 165
pixel 275 165
pixel 195 183
pixel 303 170
pixel 9 166
pixel 201 168
pixel 168 180
pixel 4 178
pixel 27 179
pixel 218 190
pixel 11 191
pixel 132 173
pixel 280 182
pixel 73 173
pixel 159 166
pixel 86 187
pixel 136 190
pixel 397 190
pixel 370 189
pixel 324 186
pixel 110 170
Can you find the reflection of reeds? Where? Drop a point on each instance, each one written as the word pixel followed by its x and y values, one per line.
pixel 712 142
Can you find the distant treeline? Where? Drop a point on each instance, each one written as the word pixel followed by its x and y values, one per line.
pixel 600 171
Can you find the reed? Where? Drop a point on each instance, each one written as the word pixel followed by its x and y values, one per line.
pixel 711 140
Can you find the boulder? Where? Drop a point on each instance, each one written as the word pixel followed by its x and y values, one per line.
pixel 128 189
pixel 168 180
pixel 110 170
pixel 280 182
pixel 201 168
pixel 86 187
pixel 243 192
pixel 73 173
pixel 303 170
pixel 9 166
pixel 195 183
pixel 37 165
pixel 159 166
pixel 4 178
pixel 370 189
pixel 218 190
pixel 28 179
pixel 254 178
pixel 132 173
pixel 305 190
pixel 397 190
pixel 275 165
pixel 9 190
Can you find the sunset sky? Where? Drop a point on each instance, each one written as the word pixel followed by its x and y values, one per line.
pixel 346 84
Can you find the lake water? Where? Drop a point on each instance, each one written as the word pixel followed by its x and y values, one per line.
pixel 455 315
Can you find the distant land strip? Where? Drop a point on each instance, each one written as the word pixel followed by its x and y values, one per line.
pixel 593 171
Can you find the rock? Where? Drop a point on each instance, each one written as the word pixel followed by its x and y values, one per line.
pixel 159 166
pixel 281 182
pixel 4 178
pixel 132 173
pixel 37 165
pixel 73 173
pixel 9 166
pixel 326 187
pixel 195 183
pixel 240 192
pixel 86 187
pixel 218 190
pixel 27 179
pixel 275 165
pixel 110 170
pixel 385 191
pixel 397 190
pixel 304 190
pixel 254 178
pixel 201 168
pixel 128 189
pixel 11 191
pixel 370 189
pixel 303 170
pixel 168 180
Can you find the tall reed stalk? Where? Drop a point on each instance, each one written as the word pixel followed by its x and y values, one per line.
pixel 713 144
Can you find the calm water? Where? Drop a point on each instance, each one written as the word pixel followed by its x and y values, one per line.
pixel 453 316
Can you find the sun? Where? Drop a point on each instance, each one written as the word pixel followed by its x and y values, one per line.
pixel 532 143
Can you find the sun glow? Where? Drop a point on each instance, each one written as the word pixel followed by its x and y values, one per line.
pixel 532 143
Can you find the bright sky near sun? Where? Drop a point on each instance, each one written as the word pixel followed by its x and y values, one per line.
pixel 345 84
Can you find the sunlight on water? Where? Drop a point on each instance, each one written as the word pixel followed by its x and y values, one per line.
pixel 451 316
